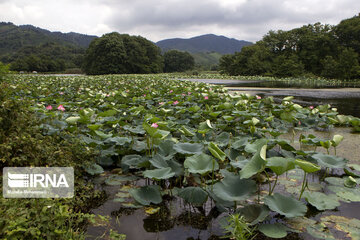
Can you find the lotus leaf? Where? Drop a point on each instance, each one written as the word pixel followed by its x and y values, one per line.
pixel 350 182
pixel 232 188
pixel 275 230
pixel 254 213
pixel 223 139
pixel 161 173
pixel 322 201
pixel 216 151
pixel 72 120
pixel 131 161
pixel 280 165
pixel 146 194
pixel 308 167
pixel 188 148
pixel 94 169
pixel 329 160
pixel 119 179
pixel 201 163
pixel 194 195
pixel 120 141
pixel 255 146
pixel 256 164
pixel 288 206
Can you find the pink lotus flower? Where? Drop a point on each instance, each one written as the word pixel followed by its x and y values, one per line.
pixel 258 97
pixel 154 125
pixel 183 94
pixel 311 107
pixel 61 108
pixel 176 102
pixel 206 97
pixel 61 93
pixel 161 103
pixel 189 93
pixel 49 107
pixel 171 91
pixel 144 95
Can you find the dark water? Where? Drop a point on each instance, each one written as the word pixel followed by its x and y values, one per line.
pixel 292 84
pixel 343 96
pixel 347 103
pixel 279 84
pixel 176 220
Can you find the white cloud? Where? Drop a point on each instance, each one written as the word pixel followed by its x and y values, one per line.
pixel 159 19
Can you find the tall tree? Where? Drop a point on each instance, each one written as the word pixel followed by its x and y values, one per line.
pixel 348 33
pixel 115 53
pixel 176 61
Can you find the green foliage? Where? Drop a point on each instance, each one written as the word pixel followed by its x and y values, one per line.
pixel 22 144
pixel 207 60
pixel 237 228
pixel 120 53
pixel 176 61
pixel 49 218
pixel 332 52
pixel 28 48
pixel 348 32
pixel 4 69
pixel 48 57
pixel 173 132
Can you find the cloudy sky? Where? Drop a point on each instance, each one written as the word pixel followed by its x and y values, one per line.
pixel 160 19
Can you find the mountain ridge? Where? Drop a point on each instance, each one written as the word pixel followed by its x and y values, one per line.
pixel 20 41
pixel 204 43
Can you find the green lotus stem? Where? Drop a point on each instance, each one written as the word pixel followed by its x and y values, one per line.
pixel 268 179
pixel 212 176
pixel 303 185
pixel 326 173
pixel 148 145
pixel 258 185
pixel 272 190
pixel 230 141
pixel 335 150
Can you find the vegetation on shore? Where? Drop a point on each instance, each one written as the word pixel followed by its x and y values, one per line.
pixel 313 50
pixel 187 140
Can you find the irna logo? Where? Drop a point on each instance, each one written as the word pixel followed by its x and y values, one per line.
pixel 36 180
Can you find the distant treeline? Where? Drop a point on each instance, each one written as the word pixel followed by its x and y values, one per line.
pixel 315 49
pixel 47 57
pixel 115 53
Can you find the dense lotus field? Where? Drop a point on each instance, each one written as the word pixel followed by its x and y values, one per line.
pixel 197 142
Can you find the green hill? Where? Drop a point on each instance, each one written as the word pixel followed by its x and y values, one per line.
pixel 19 42
pixel 206 49
pixel 206 60
pixel 204 43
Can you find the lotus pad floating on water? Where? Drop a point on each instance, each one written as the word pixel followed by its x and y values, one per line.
pixel 285 205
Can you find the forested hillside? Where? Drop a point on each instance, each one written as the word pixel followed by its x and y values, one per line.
pixel 30 48
pixel 314 49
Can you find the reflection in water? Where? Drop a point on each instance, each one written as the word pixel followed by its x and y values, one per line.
pixel 293 84
pixel 306 93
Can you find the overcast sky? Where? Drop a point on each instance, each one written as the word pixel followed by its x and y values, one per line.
pixel 159 19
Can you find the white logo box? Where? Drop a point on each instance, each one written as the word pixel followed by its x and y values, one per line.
pixel 38 182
